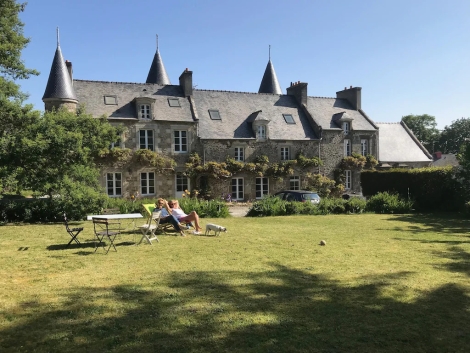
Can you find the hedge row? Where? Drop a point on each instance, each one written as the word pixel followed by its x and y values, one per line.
pixel 380 203
pixel 44 210
pixel 431 189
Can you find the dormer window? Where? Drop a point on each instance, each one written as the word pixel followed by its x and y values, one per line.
pixel 260 125
pixel 144 107
pixel 344 121
pixel 144 111
pixel 261 132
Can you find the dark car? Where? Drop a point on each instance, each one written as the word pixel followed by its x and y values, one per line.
pixel 299 195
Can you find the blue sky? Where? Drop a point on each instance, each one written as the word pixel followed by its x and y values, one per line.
pixel 409 56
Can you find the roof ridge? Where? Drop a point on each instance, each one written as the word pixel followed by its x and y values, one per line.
pixel 221 90
pixel 321 97
pixel 128 83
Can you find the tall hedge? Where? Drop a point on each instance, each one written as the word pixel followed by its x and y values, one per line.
pixel 432 189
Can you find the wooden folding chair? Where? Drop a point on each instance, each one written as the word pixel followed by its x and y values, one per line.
pixel 162 227
pixel 73 232
pixel 103 228
pixel 148 229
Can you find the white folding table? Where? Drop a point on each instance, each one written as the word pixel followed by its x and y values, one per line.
pixel 108 217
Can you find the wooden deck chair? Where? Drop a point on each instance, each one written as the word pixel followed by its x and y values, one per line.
pixel 103 228
pixel 73 232
pixel 148 229
pixel 162 227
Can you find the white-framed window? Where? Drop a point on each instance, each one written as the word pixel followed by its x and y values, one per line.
pixel 347 147
pixel 294 182
pixel 182 182
pixel 114 184
pixel 146 141
pixel 285 156
pixel 145 111
pixel 347 179
pixel 261 132
pixel 239 154
pixel 237 189
pixel 346 127
pixel 180 141
pixel 147 183
pixel 364 147
pixel 116 143
pixel 262 187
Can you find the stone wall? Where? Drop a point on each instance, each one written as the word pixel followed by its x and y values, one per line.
pixel 330 150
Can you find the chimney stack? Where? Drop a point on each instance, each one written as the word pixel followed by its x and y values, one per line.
pixel 352 95
pixel 186 82
pixel 299 91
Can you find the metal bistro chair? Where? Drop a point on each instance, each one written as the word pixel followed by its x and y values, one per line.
pixel 73 232
pixel 103 228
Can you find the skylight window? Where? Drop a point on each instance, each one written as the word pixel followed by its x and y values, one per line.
pixel 289 118
pixel 174 102
pixel 215 115
pixel 110 100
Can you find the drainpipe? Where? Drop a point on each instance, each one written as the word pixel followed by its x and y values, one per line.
pixel 319 155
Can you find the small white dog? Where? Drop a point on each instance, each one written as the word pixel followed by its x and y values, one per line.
pixel 216 228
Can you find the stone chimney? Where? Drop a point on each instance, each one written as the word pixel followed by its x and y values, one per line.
pixel 186 82
pixel 69 69
pixel 299 91
pixel 352 95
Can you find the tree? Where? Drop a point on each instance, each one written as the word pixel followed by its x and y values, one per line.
pixel 424 128
pixel 60 146
pixel 454 136
pixel 12 41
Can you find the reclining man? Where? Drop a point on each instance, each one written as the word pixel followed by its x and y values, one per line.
pixel 166 217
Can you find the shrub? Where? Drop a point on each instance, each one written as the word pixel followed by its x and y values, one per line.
pixel 205 208
pixel 355 205
pixel 383 202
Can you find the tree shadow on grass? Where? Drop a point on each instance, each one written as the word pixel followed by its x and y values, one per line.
pixel 451 223
pixel 282 310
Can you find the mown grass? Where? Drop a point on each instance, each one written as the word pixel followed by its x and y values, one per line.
pixel 383 283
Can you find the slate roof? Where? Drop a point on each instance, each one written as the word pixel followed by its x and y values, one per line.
pixel 326 112
pixel 157 73
pixel 59 84
pixel 445 160
pixel 239 109
pixel 92 93
pixel 397 144
pixel 269 83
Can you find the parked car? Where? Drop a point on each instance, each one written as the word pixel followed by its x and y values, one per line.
pixel 299 195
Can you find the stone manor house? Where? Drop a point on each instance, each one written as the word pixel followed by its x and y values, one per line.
pixel 176 120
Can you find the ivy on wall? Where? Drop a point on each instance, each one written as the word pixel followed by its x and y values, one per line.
pixel 354 162
pixel 260 167
pixel 122 156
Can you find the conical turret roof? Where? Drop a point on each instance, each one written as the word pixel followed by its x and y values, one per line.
pixel 269 83
pixel 59 85
pixel 157 73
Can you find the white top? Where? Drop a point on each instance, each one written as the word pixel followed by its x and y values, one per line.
pixel 115 216
pixel 178 213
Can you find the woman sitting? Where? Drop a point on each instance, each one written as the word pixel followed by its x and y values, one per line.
pixel 183 217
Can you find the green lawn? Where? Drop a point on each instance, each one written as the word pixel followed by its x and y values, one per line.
pixel 383 283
